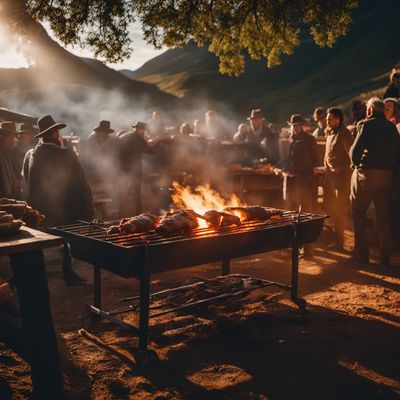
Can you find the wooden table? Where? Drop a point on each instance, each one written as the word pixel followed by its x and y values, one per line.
pixel 253 180
pixel 27 262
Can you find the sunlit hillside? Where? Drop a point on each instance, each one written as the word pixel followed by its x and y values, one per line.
pixel 357 64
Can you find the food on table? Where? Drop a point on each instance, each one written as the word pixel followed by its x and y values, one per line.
pixel 32 217
pixel 8 224
pixel 21 210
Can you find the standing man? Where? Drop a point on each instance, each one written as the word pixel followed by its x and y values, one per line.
pixel 155 125
pixel 10 185
pixel 373 158
pixel 25 142
pixel 393 89
pixel 358 112
pixel 320 118
pixel 258 133
pixel 132 145
pixel 299 184
pixel 56 184
pixel 338 172
pixel 302 159
pixel 98 157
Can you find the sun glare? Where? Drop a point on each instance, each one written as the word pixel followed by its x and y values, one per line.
pixel 12 59
pixel 9 56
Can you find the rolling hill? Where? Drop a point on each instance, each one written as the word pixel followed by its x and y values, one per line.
pixel 356 65
pixel 80 91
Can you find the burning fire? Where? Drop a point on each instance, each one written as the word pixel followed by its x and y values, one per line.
pixel 203 199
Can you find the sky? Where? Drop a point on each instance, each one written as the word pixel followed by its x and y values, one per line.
pixel 142 52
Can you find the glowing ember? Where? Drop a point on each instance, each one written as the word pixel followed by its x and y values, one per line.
pixel 202 199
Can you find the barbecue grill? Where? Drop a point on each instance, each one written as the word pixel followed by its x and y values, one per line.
pixel 140 255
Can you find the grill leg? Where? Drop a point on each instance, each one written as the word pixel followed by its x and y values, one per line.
pixel 226 266
pixel 96 288
pixel 144 311
pixel 295 270
pixel 301 303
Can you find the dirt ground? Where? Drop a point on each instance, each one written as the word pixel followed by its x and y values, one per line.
pixel 347 346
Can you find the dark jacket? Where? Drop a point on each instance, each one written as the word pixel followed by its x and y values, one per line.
pixel 271 145
pixel 303 155
pixel 337 147
pixel 391 91
pixel 375 145
pixel 9 175
pixel 57 185
pixel 131 147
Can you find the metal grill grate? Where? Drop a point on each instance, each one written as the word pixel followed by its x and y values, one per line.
pixel 98 231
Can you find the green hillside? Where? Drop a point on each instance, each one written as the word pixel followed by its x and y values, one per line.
pixel 312 76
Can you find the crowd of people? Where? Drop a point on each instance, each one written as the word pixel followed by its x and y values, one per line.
pixel 359 165
pixel 359 161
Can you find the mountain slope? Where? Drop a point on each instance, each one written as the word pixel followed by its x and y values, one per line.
pixel 311 76
pixel 79 90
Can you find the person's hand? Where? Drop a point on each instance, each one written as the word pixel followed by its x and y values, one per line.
pixel 5 293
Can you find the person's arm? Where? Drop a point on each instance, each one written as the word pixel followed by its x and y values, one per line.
pixel 359 145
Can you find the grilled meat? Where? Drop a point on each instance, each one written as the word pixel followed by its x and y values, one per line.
pixel 217 219
pixel 254 213
pixel 32 217
pixel 180 220
pixel 113 229
pixel 137 224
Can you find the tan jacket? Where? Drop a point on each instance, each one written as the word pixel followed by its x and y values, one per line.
pixel 337 147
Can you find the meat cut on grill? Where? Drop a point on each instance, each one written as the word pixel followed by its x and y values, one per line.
pixel 254 213
pixel 187 220
pixel 176 221
pixel 137 224
pixel 218 219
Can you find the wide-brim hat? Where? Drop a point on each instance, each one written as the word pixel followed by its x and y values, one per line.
pixel 256 113
pixel 296 119
pixel 8 128
pixel 104 126
pixel 139 124
pixel 26 128
pixel 47 124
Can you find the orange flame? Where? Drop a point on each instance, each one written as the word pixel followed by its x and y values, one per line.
pixel 202 199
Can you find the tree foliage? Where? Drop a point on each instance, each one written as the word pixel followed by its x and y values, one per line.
pixel 265 29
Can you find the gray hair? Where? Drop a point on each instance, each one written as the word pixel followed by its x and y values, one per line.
pixel 377 105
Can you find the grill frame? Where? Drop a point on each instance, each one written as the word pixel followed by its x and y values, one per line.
pixel 202 246
pixel 144 254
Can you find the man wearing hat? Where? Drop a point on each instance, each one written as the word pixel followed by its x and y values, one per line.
pixel 56 182
pixel 262 142
pixel 131 147
pixel 98 155
pixel 25 142
pixel 10 185
pixel 303 157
